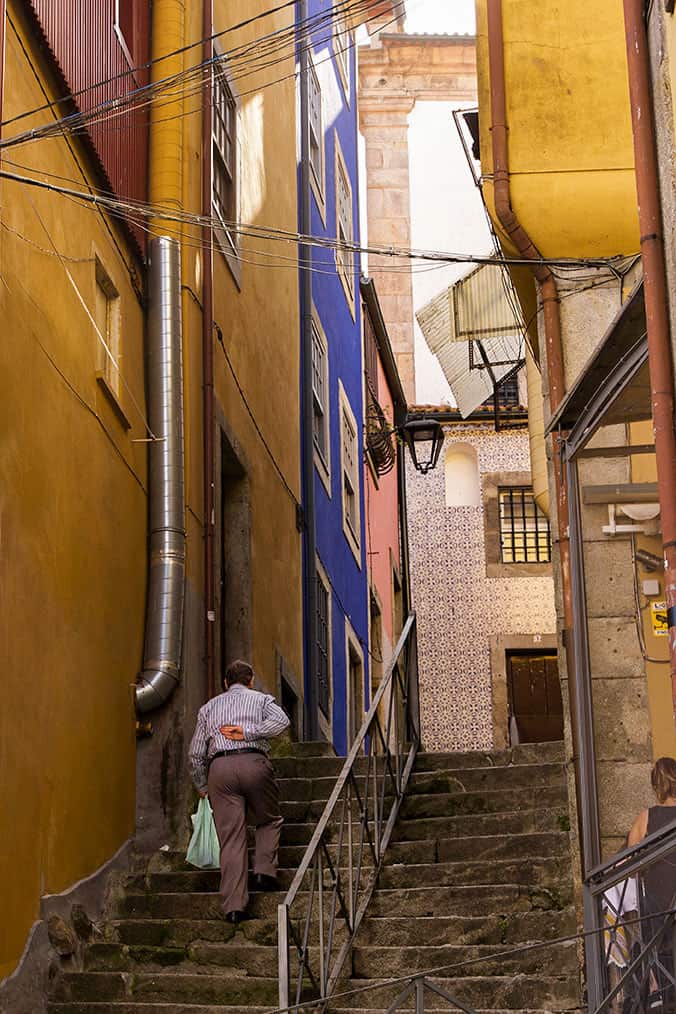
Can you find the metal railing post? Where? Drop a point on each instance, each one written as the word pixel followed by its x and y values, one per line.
pixel 283 954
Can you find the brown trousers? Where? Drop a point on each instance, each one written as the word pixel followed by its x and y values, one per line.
pixel 243 786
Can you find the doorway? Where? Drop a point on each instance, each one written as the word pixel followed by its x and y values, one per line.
pixel 534 692
pixel 233 534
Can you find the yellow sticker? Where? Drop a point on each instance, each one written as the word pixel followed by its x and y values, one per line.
pixel 658 615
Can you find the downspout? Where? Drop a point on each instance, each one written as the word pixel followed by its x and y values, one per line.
pixel 307 447
pixel 208 354
pixel 163 644
pixel 580 715
pixel 655 289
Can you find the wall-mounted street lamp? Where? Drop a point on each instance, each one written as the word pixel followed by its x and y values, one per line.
pixel 424 439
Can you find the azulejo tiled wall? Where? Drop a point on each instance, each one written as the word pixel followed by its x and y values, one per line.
pixel 459 609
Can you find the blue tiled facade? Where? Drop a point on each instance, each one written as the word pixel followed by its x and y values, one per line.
pixel 337 317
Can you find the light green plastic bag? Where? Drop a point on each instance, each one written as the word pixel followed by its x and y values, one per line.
pixel 203 850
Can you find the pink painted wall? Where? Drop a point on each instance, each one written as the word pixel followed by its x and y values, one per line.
pixel 382 524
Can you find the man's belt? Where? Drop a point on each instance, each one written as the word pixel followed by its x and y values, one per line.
pixel 235 753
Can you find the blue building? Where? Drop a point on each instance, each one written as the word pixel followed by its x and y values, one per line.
pixel 335 572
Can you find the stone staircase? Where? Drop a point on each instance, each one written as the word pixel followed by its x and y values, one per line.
pixel 479 864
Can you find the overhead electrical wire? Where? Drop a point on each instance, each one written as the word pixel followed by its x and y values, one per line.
pixel 241 62
pixel 132 71
pixel 146 212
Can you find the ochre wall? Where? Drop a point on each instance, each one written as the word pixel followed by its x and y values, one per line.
pixel 260 326
pixel 570 142
pixel 73 536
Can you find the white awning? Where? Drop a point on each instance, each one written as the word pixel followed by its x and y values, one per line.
pixel 480 308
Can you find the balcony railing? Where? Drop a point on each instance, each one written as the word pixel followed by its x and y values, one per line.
pixel 319 918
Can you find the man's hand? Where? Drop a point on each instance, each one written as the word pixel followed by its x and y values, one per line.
pixel 235 732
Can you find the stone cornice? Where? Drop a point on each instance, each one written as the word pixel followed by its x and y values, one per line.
pixel 402 69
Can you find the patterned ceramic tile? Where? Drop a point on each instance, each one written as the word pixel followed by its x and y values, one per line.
pixel 458 607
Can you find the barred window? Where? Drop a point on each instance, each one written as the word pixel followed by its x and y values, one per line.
pixel 315 125
pixel 320 420
pixel 524 529
pixel 323 646
pixel 224 146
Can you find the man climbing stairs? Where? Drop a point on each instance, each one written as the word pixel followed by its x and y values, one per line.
pixel 479 864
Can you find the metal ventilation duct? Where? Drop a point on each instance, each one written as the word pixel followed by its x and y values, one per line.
pixel 166 579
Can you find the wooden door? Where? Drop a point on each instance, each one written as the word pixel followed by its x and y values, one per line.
pixel 535 696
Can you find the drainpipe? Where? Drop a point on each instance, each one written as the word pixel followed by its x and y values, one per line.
pixel 581 718
pixel 311 730
pixel 655 288
pixel 208 356
pixel 163 645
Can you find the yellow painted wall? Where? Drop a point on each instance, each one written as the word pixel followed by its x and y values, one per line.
pixel 260 325
pixel 72 538
pixel 570 142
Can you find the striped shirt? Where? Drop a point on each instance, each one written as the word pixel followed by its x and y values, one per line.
pixel 258 715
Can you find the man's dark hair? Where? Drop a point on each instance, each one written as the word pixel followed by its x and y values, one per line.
pixel 237 672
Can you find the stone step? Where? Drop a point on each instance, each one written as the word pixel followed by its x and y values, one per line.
pixel 198 905
pixel 434 779
pixel 448 804
pixel 481 900
pixel 180 1008
pixel 477 960
pixel 169 987
pixel 535 754
pixel 544 872
pixel 429 850
pixel 516 822
pixel 155 932
pixel 229 958
pixel 498 929
pixel 511 992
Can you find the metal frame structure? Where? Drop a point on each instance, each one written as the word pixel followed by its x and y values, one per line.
pixel 336 878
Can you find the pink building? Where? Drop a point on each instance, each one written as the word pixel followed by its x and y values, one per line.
pixel 384 483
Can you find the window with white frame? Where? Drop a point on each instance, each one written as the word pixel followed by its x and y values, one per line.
pixel 350 465
pixel 107 316
pixel 320 395
pixel 344 225
pixel 342 46
pixel 224 145
pixel 316 131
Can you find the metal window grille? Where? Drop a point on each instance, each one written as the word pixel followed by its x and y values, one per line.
pixel 524 529
pixel 315 125
pixel 225 151
pixel 319 367
pixel 345 234
pixel 350 479
pixel 323 682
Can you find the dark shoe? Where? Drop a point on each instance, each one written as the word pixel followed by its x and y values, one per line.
pixel 264 882
pixel 236 917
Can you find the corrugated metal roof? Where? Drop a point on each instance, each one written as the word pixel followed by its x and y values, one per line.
pixel 478 308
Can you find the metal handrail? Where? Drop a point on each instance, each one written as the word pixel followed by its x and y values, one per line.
pixel 639 961
pixel 337 885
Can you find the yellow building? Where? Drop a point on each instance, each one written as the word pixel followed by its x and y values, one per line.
pixel 559 181
pixel 84 298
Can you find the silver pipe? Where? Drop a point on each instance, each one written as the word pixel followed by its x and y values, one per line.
pixel 166 574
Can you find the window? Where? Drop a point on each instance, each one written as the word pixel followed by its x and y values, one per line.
pixel 344 228
pixel 316 131
pixel 524 529
pixel 323 645
pixel 355 685
pixel 107 317
pixel 224 146
pixel 350 466
pixel 320 408
pixel 342 46
pixel 370 353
